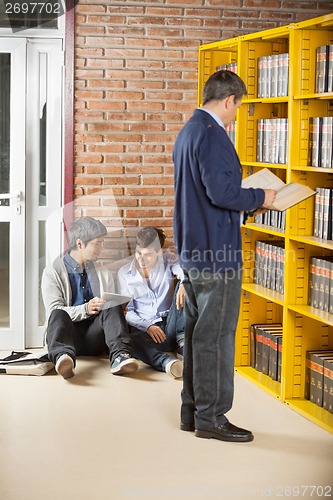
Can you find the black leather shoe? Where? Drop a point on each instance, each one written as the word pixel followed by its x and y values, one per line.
pixel 226 432
pixel 187 427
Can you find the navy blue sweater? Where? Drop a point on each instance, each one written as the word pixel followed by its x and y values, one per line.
pixel 209 196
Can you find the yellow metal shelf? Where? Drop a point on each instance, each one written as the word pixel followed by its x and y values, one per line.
pixel 304 327
pixel 312 412
pixel 268 100
pixel 313 313
pixel 313 169
pixel 262 228
pixel 312 240
pixel 266 293
pixel 323 95
pixel 261 380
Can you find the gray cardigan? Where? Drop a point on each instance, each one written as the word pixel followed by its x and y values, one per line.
pixel 57 292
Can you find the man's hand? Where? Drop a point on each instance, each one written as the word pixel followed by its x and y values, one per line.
pixel 269 197
pixel 156 333
pixel 180 297
pixel 95 305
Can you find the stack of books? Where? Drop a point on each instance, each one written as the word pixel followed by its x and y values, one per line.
pixel 319 378
pixel 273 75
pixel 269 265
pixel 266 349
pixel 323 214
pixel 272 140
pixel 321 284
pixel 324 69
pixel 320 141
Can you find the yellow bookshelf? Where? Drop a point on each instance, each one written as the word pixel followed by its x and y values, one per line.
pixel 304 327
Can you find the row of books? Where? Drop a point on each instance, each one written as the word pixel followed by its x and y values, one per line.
pixel 319 378
pixel 266 349
pixel 320 141
pixel 273 75
pixel 231 131
pixel 269 265
pixel 273 218
pixel 324 69
pixel 231 67
pixel 321 284
pixel 323 214
pixel 272 140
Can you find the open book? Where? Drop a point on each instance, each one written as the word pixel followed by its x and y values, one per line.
pixel 287 196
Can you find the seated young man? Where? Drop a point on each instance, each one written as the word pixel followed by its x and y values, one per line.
pixel 155 314
pixel 77 323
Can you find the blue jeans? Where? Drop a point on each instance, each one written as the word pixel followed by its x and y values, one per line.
pixel 211 315
pixel 105 332
pixel 156 355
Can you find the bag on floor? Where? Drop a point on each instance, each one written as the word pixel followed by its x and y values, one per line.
pixel 25 363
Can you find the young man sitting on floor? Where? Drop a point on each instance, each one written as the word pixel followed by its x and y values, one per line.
pixel 155 313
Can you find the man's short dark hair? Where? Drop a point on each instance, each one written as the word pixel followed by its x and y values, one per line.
pixel 222 84
pixel 85 229
pixel 150 237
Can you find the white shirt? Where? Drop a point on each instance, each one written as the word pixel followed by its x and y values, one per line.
pixel 152 298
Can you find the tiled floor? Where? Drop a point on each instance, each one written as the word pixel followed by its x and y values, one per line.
pixel 105 437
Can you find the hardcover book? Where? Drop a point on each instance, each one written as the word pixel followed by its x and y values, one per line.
pixel 287 196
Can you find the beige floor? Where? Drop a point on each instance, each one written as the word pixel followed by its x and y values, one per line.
pixel 103 437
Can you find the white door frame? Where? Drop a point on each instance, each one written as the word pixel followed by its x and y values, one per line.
pixel 44 89
pixel 13 336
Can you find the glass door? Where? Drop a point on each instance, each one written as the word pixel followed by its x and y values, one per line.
pixel 12 192
pixel 44 172
pixel 31 159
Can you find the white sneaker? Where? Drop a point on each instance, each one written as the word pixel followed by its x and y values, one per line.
pixel 174 368
pixel 65 366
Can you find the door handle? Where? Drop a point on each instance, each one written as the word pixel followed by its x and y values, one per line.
pixel 12 196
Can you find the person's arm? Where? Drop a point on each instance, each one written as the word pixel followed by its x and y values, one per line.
pixel 216 161
pixel 179 273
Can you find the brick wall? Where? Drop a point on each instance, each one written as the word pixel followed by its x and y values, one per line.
pixel 135 86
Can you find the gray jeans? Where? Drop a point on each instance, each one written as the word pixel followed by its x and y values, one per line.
pixel 211 315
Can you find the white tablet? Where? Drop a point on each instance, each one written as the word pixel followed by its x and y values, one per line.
pixel 115 299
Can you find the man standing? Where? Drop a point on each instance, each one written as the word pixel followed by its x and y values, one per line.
pixel 78 321
pixel 209 206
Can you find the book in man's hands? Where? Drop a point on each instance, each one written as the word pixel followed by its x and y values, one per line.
pixel 287 195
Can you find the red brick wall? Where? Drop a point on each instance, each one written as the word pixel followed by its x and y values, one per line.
pixel 135 86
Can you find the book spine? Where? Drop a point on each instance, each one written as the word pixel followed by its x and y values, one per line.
pixel 260 139
pixel 265 351
pixel 315 141
pixel 328 383
pixel 321 57
pixel 330 69
pixel 252 346
pixel 258 364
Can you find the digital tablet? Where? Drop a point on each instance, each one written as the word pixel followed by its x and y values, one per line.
pixel 115 299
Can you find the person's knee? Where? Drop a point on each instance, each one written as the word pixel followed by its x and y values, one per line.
pixel 57 314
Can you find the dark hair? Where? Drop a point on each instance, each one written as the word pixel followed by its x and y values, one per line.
pixel 85 229
pixel 150 237
pixel 223 84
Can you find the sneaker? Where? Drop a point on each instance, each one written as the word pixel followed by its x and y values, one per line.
pixel 124 364
pixel 174 368
pixel 65 366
